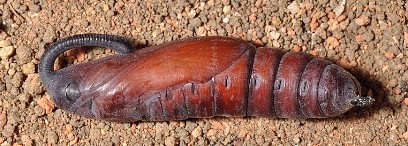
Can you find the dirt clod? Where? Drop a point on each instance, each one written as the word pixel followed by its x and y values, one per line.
pixel 28 68
pixel 32 84
pixel 46 103
pixel 49 35
pixel 24 54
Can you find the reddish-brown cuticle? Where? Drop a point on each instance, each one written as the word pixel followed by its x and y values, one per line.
pixel 206 77
pixel 308 86
pixel 261 98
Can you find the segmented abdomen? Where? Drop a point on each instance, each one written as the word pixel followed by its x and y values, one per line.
pixel 263 83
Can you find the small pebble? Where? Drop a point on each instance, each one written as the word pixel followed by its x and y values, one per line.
pixel 341 18
pixel 252 17
pixel 393 83
pixel 405 135
pixel 24 54
pixel 389 55
pixel 339 9
pixel 81 55
pixel 26 140
pixel 362 20
pixel 346 64
pixel 331 15
pixel 216 125
pixel 406 101
pixel 170 141
pixel 274 34
pixel 296 48
pixel 258 42
pixel 400 55
pixel 73 141
pixel 275 44
pixel 11 71
pixel 4 43
pixel 46 103
pixel 28 68
pixel 7 52
pixel 3 120
pixel 210 133
pixel 226 9
pixel 332 42
pixel 196 132
pixel 225 20
pixel 201 31
pixel 296 139
pixel 291 33
pixel 105 7
pixel 192 13
pixel 368 35
pixel 397 91
pixel 8 130
pixel 394 18
pixel 359 38
pixel 313 24
pixel 293 7
pixel 49 35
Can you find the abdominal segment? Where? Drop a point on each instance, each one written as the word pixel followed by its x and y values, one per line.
pixel 225 94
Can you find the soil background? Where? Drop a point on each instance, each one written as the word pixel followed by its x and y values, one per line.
pixel 368 38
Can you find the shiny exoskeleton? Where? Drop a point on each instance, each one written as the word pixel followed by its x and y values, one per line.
pixel 197 78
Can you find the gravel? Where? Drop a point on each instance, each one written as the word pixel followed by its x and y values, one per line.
pixel 368 38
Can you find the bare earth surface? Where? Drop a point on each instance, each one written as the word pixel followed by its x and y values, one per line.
pixel 369 38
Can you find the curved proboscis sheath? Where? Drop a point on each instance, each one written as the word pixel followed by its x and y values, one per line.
pixel 198 77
